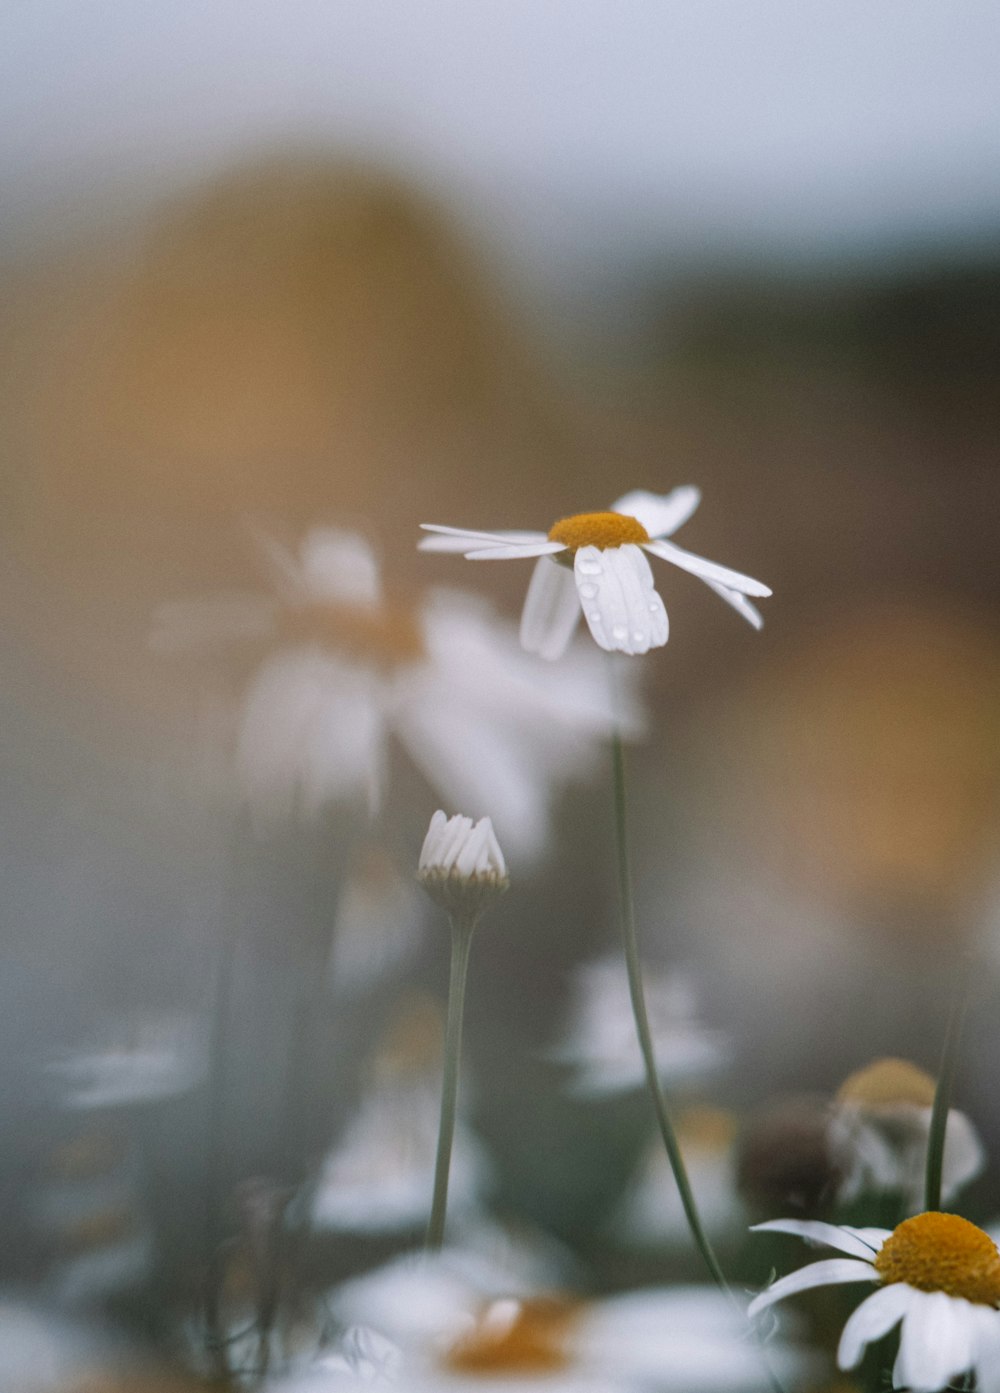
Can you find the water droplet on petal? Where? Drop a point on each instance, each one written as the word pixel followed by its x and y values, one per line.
pixel 638 636
pixel 594 616
pixel 655 607
pixel 619 632
pixel 588 590
pixel 590 566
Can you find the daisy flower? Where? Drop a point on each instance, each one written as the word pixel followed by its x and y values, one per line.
pixel 602 570
pixel 937 1274
pixel 487 727
pixel 879 1129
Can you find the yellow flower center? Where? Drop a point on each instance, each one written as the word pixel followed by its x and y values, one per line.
pixel 383 636
pixel 887 1082
pixel 597 530
pixel 519 1337
pixel 941 1252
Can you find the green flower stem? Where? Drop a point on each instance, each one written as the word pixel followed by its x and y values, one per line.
pixel 946 1078
pixel 461 941
pixel 637 993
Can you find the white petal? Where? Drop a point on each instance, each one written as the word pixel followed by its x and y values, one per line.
pixel 872 1236
pixel 339 566
pixel 462 538
pixel 936 1341
pixel 964 1154
pixel 739 602
pixel 706 570
pixel 515 551
pixel 817 1274
pixel 621 607
pixel 831 1235
pixel 660 513
pixel 551 610
pixel 874 1318
pixel 986 1348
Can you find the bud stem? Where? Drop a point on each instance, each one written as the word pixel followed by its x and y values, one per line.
pixel 462 927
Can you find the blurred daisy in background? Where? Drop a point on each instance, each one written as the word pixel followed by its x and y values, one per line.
pixel 879 1129
pixel 599 1039
pixel 379 1177
pixel 938 1277
pixel 602 570
pixel 143 1059
pixel 437 1326
pixel 488 727
pixel 378 920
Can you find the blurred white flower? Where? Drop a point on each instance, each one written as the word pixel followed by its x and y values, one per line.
pixel 378 918
pixel 487 726
pixel 142 1060
pixel 879 1129
pixel 379 1177
pixel 41 1351
pixel 429 1327
pixel 608 578
pixel 937 1274
pixel 651 1213
pixel 600 1039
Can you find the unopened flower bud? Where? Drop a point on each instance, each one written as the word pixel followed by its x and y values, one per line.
pixel 461 865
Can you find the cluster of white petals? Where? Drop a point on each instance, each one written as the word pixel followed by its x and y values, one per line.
pixel 610 582
pixel 458 847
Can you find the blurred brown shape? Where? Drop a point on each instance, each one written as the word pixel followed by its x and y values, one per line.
pixel 783 1165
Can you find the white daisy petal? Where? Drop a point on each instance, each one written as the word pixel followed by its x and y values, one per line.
pixel 986 1348
pixel 500 538
pixel 872 1236
pixel 816 1274
pixel 874 1318
pixel 621 607
pixel 706 570
pixel 814 1231
pixel 739 602
pixel 936 1341
pixel 514 551
pixel 551 610
pixel 660 513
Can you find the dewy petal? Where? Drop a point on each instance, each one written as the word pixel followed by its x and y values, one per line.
pixel 621 607
pixel 874 1318
pixel 660 513
pixel 551 610
pixel 706 570
pixel 816 1274
pixel 739 602
pixel 832 1235
pixel 936 1341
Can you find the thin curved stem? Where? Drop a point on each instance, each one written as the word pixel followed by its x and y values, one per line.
pixel 945 1082
pixel 633 964
pixel 461 942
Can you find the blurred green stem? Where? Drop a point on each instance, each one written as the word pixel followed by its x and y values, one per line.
pixel 946 1079
pixel 461 942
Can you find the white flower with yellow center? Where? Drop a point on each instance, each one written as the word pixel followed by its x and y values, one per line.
pixel 602 570
pixel 487 726
pixel 937 1274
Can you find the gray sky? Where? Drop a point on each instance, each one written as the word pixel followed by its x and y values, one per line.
pixel 569 126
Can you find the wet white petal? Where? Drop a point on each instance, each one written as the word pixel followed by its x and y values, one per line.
pixel 739 602
pixel 936 1341
pixel 817 1274
pixel 621 607
pixel 874 1318
pixel 551 610
pixel 831 1235
pixel 660 513
pixel 706 570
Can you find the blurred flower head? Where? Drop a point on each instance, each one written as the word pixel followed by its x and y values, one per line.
pixel 144 1060
pixel 602 570
pixel 938 1276
pixel 436 1326
pixel 600 1043
pixel 486 725
pixel 879 1130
